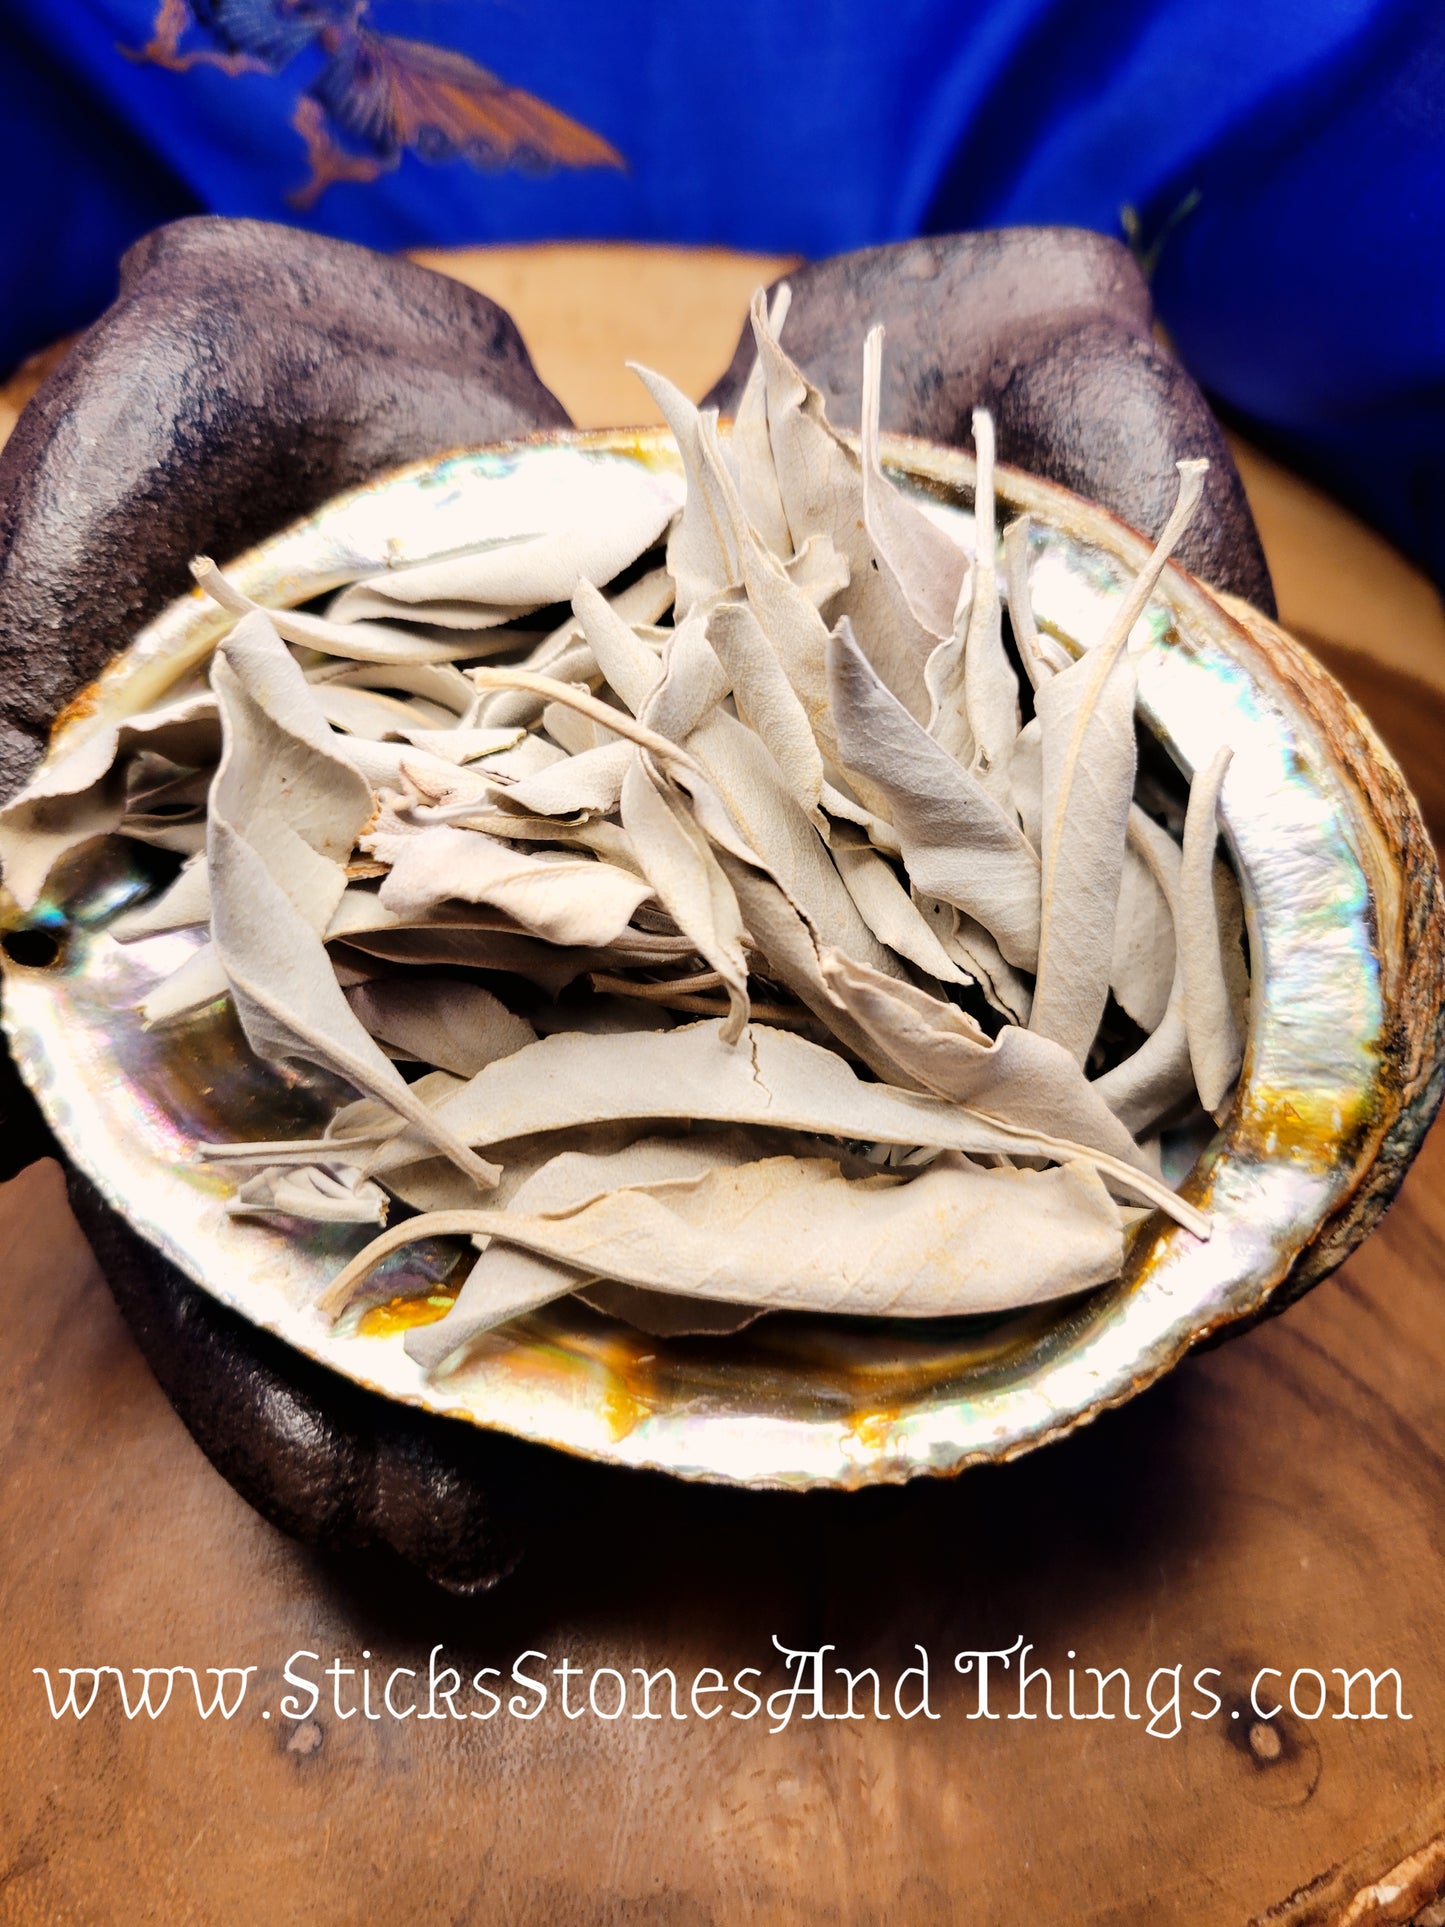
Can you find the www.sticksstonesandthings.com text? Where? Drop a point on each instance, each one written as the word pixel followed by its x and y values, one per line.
pixel 1007 1683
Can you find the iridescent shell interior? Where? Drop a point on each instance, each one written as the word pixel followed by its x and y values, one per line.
pixel 1342 1070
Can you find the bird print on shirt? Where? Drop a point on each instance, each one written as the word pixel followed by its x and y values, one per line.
pixel 377 97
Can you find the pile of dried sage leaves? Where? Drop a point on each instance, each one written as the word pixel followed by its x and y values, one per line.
pixel 732 945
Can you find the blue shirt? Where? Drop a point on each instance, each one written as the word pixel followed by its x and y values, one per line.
pixel 1284 162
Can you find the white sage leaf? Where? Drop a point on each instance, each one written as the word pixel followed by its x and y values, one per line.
pixel 788 944
pixel 338 1195
pixel 1215 1049
pixel 395 766
pixel 630 666
pixel 991 695
pixel 1229 907
pixel 369 642
pixel 1141 971
pixel 819 570
pixel 507 1281
pixel 886 907
pixel 1089 760
pixel 604 839
pixel 199 981
pixel 692 684
pixel 928 566
pixel 766 700
pixel 1041 656
pixel 373 713
pixel 490 586
pixel 568 902
pixel 80 795
pixel 820 480
pixel 795 1234
pixel 285 810
pixel 459 745
pixel 1155 1081
pixel 687 880
pixel 777 833
pixel 1026 779
pixel 549 966
pixel 750 447
pixel 701 556
pixel 455 1027
pixel 1019 1077
pixel 287 997
pixel 439 683
pixel 617 721
pixel 773 1078
pixel 1088 756
pixel 974 950
pixel 589 783
pixel 667 1314
pixel 282 784
pixel 566 654
pixel 957 842
pixel 573 733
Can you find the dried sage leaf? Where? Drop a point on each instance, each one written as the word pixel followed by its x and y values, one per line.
pixel 1041 656
pixel 508 1281
pixel 688 880
pixel 929 567
pixel 586 784
pixel 567 656
pixel 356 641
pixel 285 811
pixel 1154 1081
pixel 991 694
pixel 886 907
pixel 957 842
pixel 667 1314
pixel 199 981
pixel 572 901
pixel 1215 1049
pixel 796 1234
pixel 974 951
pixel 442 684
pixel 186 901
pixel 81 795
pixel 585 704
pixel 335 1195
pixel 766 700
pixel 487 587
pixel 373 713
pixel 1017 1077
pixel 1089 759
pixel 750 447
pixel 1141 970
pixel 1088 756
pixel 701 556
pixel 772 1078
pixel 820 481
pixel 631 667
pixel 456 1027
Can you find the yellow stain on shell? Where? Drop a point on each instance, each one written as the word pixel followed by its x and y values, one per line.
pixel 405 1313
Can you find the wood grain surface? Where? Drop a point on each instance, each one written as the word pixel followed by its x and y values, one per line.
pixel 1274 1503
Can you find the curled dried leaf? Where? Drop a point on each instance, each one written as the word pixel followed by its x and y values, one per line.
pixel 795 1234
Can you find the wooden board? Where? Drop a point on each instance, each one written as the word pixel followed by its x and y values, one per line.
pixel 1275 1503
